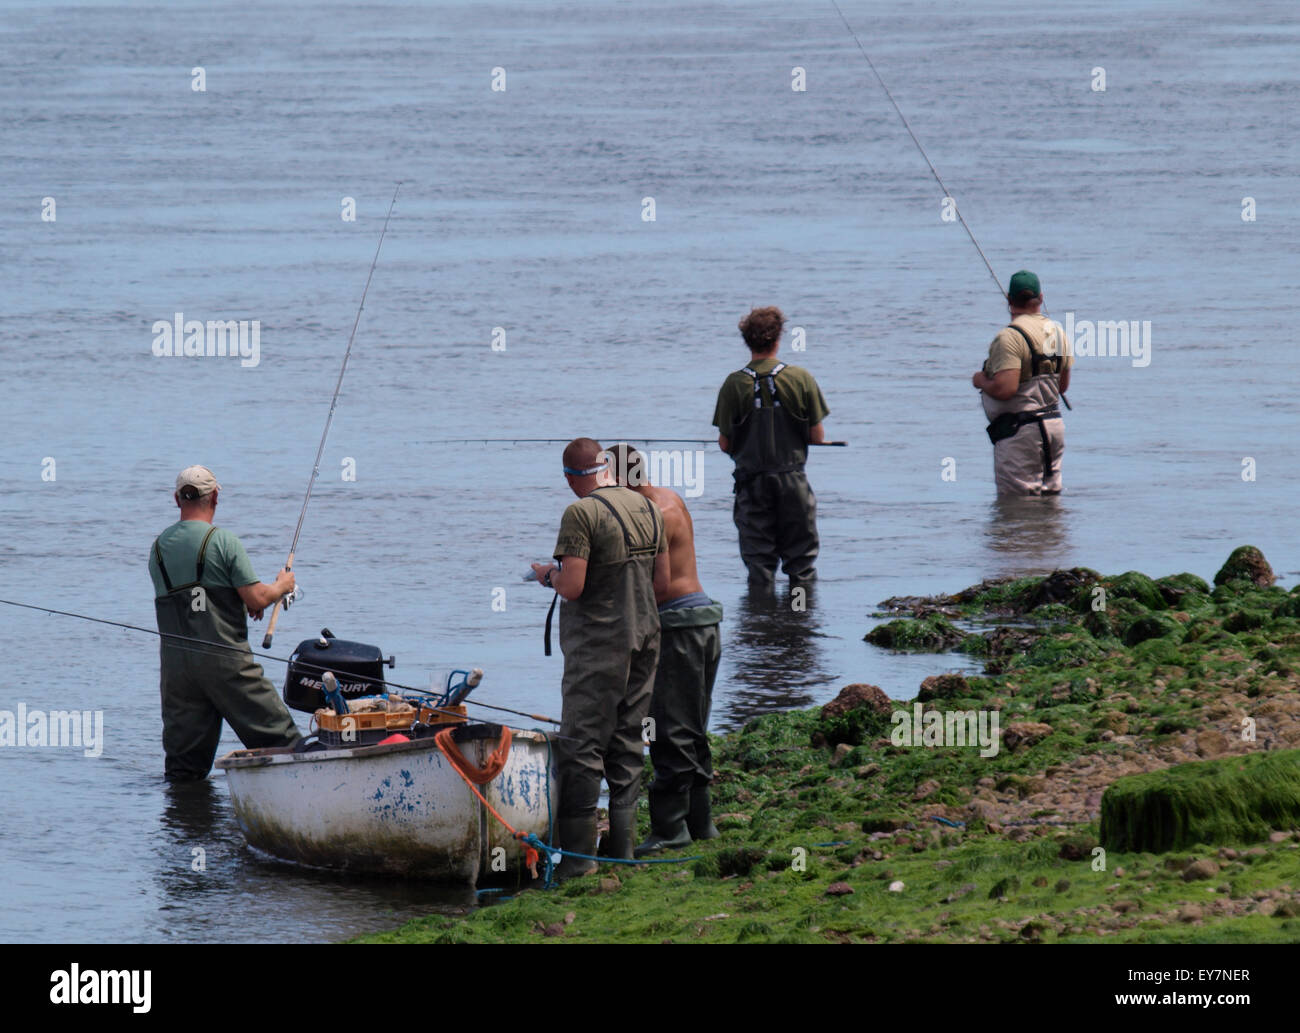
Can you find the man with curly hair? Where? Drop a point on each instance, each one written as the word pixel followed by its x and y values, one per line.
pixel 767 414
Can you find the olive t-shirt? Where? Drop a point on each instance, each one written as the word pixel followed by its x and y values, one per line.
pixel 588 527
pixel 795 386
pixel 225 564
pixel 1009 351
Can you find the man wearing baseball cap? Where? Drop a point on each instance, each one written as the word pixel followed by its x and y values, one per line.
pixel 204 590
pixel 1020 384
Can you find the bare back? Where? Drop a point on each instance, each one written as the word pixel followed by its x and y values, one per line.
pixel 683 579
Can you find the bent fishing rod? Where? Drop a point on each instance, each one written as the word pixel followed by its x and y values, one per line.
pixel 320 450
pixel 933 171
pixel 203 645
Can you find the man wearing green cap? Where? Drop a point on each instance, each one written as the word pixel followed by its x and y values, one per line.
pixel 204 591
pixel 767 415
pixel 613 565
pixel 1020 384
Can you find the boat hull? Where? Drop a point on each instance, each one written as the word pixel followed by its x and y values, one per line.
pixel 400 809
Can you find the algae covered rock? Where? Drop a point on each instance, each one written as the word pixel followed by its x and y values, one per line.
pixel 1024 733
pixel 929 634
pixel 1228 800
pixel 858 714
pixel 1132 585
pixel 943 686
pixel 1151 625
pixel 1246 563
pixel 1183 590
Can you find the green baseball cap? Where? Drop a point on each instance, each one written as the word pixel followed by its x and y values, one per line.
pixel 1024 283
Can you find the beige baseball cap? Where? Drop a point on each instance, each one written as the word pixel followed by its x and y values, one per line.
pixel 199 478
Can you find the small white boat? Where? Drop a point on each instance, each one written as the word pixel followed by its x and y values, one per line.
pixel 396 809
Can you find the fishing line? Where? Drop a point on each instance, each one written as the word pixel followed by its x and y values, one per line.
pixel 208 646
pixel 320 450
pixel 933 171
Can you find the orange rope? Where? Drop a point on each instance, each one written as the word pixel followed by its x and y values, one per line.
pixel 496 761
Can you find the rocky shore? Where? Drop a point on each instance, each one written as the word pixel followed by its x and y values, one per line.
pixel 1127 768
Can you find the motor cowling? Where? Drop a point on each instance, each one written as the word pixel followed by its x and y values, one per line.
pixel 358 667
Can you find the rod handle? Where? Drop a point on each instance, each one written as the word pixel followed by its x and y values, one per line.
pixel 275 610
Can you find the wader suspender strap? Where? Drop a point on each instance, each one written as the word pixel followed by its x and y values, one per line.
pixel 627 544
pixel 198 572
pixel 546 638
pixel 1036 359
pixel 770 377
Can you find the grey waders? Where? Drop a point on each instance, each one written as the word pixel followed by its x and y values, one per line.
pixel 1025 462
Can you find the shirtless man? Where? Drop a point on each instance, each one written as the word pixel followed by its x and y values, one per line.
pixel 690 647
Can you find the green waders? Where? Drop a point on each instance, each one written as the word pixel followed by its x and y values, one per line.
pixel 201 685
pixel 688 664
pixel 775 509
pixel 610 639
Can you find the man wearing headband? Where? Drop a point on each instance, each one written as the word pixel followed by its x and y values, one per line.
pixel 689 650
pixel 204 590
pixel 613 565
pixel 1020 384
pixel 767 415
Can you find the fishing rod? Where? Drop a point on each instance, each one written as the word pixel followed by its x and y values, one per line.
pixel 933 171
pixel 565 441
pixel 208 646
pixel 320 450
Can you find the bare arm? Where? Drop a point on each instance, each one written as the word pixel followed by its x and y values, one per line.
pixel 1001 386
pixel 724 443
pixel 568 580
pixel 1065 381
pixel 663 576
pixel 817 434
pixel 258 596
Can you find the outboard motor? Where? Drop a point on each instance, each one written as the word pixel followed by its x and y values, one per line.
pixel 359 669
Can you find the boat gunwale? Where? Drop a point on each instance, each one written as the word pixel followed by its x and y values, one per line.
pixel 270 755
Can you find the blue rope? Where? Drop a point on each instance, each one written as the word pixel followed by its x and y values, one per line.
pixel 534 841
pixel 950 824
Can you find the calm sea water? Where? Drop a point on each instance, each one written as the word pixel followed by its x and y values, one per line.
pixel 522 210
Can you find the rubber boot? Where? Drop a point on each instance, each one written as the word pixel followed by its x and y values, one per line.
pixel 668 829
pixel 700 818
pixel 578 835
pixel 622 828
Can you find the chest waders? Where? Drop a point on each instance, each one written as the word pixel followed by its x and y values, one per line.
pixel 775 509
pixel 200 685
pixel 610 639
pixel 689 651
pixel 1008 423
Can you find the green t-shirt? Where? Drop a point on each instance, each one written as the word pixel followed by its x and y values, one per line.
pixel 225 564
pixel 588 527
pixel 798 390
